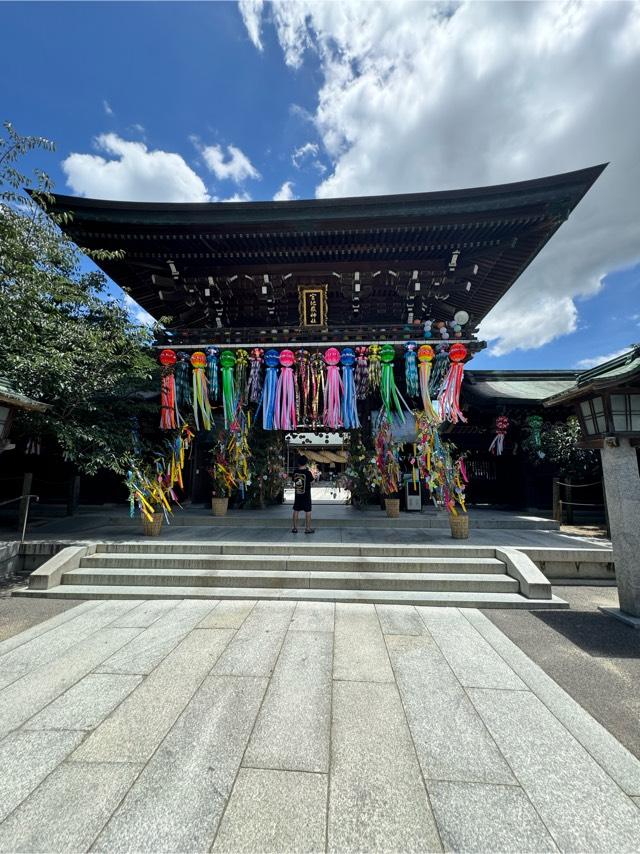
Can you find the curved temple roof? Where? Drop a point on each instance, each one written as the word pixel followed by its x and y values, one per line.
pixel 417 255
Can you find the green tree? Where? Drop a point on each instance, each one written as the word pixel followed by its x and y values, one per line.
pixel 62 340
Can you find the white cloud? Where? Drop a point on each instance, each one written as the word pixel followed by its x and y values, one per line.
pixel 107 107
pixel 285 193
pixel 234 166
pixel 308 153
pixel 134 173
pixel 585 364
pixel 418 96
pixel 236 197
pixel 136 312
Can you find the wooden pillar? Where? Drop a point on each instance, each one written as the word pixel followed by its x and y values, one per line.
pixel 557 506
pixel 73 499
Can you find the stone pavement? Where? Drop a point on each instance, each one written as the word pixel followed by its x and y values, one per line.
pixel 271 726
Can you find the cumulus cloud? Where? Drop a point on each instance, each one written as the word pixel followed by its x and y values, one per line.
pixel 417 97
pixel 234 166
pixel 106 106
pixel 308 153
pixel 136 312
pixel 285 193
pixel 236 197
pixel 133 172
pixel 585 364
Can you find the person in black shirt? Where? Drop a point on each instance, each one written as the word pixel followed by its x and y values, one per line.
pixel 302 479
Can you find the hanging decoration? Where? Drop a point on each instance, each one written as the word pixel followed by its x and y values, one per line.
pixel 387 452
pixel 444 476
pixel 285 406
pixel 200 397
pixel 497 444
pixel 271 359
pixel 425 358
pixel 449 398
pixel 302 385
pixel 362 373
pixel 411 368
pixel 391 397
pixel 183 381
pixel 535 423
pixel 438 371
pixel 255 375
pixel 169 415
pixel 332 414
pixel 227 363
pixel 241 371
pixel 213 355
pixel 375 373
pixel 349 413
pixel 317 367
pixel 239 453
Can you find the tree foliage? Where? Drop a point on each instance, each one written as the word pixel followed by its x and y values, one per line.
pixel 63 341
pixel 559 446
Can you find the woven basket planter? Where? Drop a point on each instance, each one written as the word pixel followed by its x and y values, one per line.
pixel 219 506
pixel 392 506
pixel 459 526
pixel 152 527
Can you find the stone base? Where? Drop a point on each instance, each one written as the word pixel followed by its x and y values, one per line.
pixel 629 619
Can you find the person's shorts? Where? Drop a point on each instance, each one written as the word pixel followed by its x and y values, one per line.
pixel 302 503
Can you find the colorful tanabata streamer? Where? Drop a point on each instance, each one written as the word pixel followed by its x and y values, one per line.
pixel 271 360
pixel 303 385
pixel 391 396
pixel 285 407
pixel 241 371
pixel 362 373
pixel 255 374
pixel 444 477
pixel 200 397
pixel 387 452
pixel 227 364
pixel 438 371
pixel 317 367
pixel 333 389
pixel 449 399
pixel 349 413
pixel 425 358
pixel 213 355
pixel 411 368
pixel 497 445
pixel 183 381
pixel 375 372
pixel 535 423
pixel 169 414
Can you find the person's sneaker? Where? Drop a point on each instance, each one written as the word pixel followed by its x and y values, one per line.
pixel 310 530
pixel 294 530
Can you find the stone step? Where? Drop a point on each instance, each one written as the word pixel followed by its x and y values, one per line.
pixel 286 563
pixel 390 597
pixel 236 578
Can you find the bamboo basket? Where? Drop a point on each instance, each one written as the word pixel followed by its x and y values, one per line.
pixel 219 506
pixel 152 527
pixel 459 526
pixel 392 506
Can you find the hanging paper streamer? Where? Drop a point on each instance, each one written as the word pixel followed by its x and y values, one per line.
pixel 183 380
pixel 255 375
pixel 169 415
pixel 497 445
pixel 391 396
pixel 362 373
pixel 411 368
pixel 238 452
pixel 350 418
pixel 241 371
pixel 332 415
pixel 303 385
pixel 285 408
pixel 227 363
pixel 200 397
pixel 375 373
pixel 438 371
pixel 387 452
pixel 535 423
pixel 213 354
pixel 449 399
pixel 442 475
pixel 271 359
pixel 317 386
pixel 425 358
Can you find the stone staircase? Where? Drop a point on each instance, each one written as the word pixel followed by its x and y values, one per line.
pixel 461 576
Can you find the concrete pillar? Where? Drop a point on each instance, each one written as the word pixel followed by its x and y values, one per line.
pixel 622 487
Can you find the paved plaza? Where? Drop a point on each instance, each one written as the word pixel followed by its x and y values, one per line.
pixel 276 726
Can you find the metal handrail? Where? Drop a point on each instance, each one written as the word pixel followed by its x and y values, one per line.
pixel 28 496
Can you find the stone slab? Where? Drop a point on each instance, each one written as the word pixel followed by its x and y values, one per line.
pixel 26 758
pixel 255 648
pixel 478 817
pixel 377 800
pixel 228 615
pixel 581 806
pixel 153 644
pixel 87 703
pixel 450 737
pixel 42 628
pixel 616 760
pixel 274 811
pixel 178 800
pixel 313 617
pixel 474 661
pixel 47 647
pixel 68 810
pixel 400 620
pixel 293 728
pixel 139 724
pixel 24 698
pixel 146 613
pixel 360 653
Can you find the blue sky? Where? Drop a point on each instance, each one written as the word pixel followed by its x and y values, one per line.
pixel 219 100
